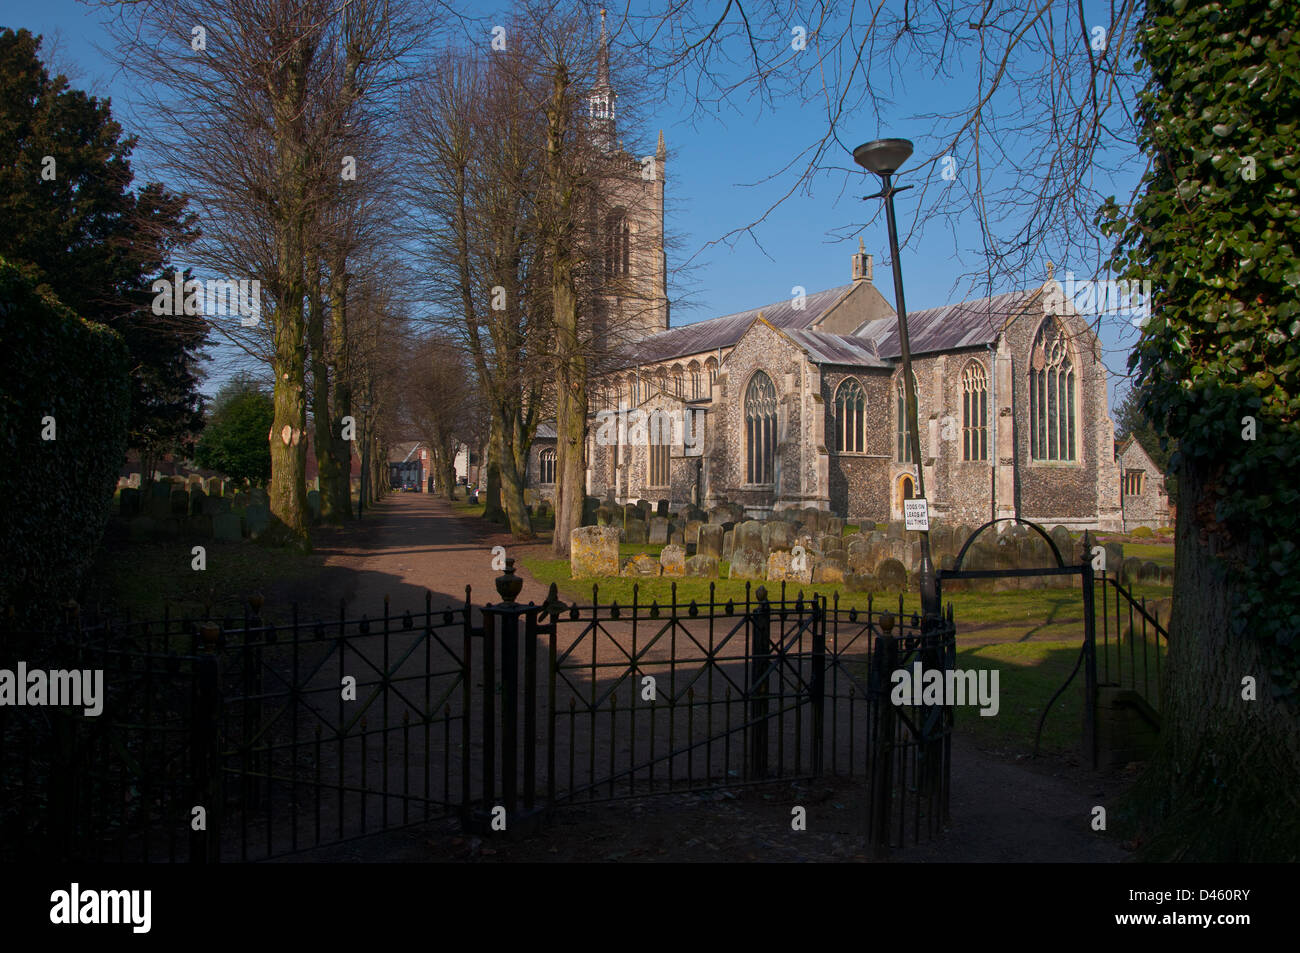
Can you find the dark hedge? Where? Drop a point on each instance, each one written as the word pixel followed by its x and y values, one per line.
pixel 55 494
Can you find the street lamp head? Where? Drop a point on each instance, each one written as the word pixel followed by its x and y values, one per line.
pixel 882 156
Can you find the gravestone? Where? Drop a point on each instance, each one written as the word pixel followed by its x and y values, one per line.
pixel 859 582
pixel 1150 572
pixel 258 518
pixel 226 528
pixel 829 567
pixel 673 560
pixel 693 532
pixel 831 544
pixel 860 556
pixel 891 574
pixel 180 503
pixel 749 535
pixel 675 538
pixel 642 564
pixel 778 535
pixel 700 565
pixel 129 502
pixel 313 503
pixel 709 542
pixel 785 566
pixel 1131 570
pixel 747 563
pixel 661 508
pixel 1061 537
pixel 834 526
pixel 728 543
pixel 593 551
pixel 604 516
pixel 216 486
pixel 658 530
pixel 197 498
pixel 634 531
pixel 1114 557
pixel 896 530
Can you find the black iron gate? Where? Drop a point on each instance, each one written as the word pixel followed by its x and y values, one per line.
pixel 245 740
pixel 1087 651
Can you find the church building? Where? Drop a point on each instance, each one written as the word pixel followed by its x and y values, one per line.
pixel 799 403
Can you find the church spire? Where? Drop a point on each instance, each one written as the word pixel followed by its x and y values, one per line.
pixel 602 55
pixel 600 101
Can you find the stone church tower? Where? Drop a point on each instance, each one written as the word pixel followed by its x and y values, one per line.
pixel 633 268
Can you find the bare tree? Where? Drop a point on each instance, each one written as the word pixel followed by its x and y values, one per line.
pixel 253 104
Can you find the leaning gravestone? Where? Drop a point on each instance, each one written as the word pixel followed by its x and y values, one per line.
pixel 593 551
pixel 709 542
pixel 673 560
pixel 226 527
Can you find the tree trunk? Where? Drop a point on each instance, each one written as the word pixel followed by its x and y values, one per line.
pixel 570 419
pixel 1225 783
pixel 513 477
pixel 341 505
pixel 328 466
pixel 492 504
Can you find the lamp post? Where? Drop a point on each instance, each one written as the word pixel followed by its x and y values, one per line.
pixel 883 157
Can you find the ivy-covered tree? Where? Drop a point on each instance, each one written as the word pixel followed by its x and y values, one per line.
pixel 74 224
pixel 1216 229
pixel 234 442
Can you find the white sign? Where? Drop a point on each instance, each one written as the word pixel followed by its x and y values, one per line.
pixel 916 514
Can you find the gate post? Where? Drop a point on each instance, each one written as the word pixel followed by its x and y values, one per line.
pixel 205 845
pixel 760 621
pixel 504 618
pixel 882 744
pixel 817 686
pixel 1090 661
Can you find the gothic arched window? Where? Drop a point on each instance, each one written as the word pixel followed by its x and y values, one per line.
pixel 695 379
pixel 760 429
pixel 679 381
pixel 711 366
pixel 547 461
pixel 903 431
pixel 974 412
pixel 636 389
pixel 1051 395
pixel 850 417
pixel 618 245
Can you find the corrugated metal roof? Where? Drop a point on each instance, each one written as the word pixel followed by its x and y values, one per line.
pixel 826 348
pixel 967 324
pixel 725 331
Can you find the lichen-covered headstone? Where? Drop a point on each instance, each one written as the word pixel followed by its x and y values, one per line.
pixel 710 541
pixel 673 560
pixel 747 563
pixel 593 552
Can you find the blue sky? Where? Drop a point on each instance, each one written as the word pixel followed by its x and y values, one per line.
pixel 713 163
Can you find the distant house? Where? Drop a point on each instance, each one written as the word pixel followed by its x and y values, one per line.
pixel 1143 499
pixel 408 463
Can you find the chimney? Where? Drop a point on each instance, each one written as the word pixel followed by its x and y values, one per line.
pixel 862 264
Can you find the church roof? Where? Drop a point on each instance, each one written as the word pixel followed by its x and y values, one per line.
pixel 874 344
pixel 826 348
pixel 725 331
pixel 968 324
